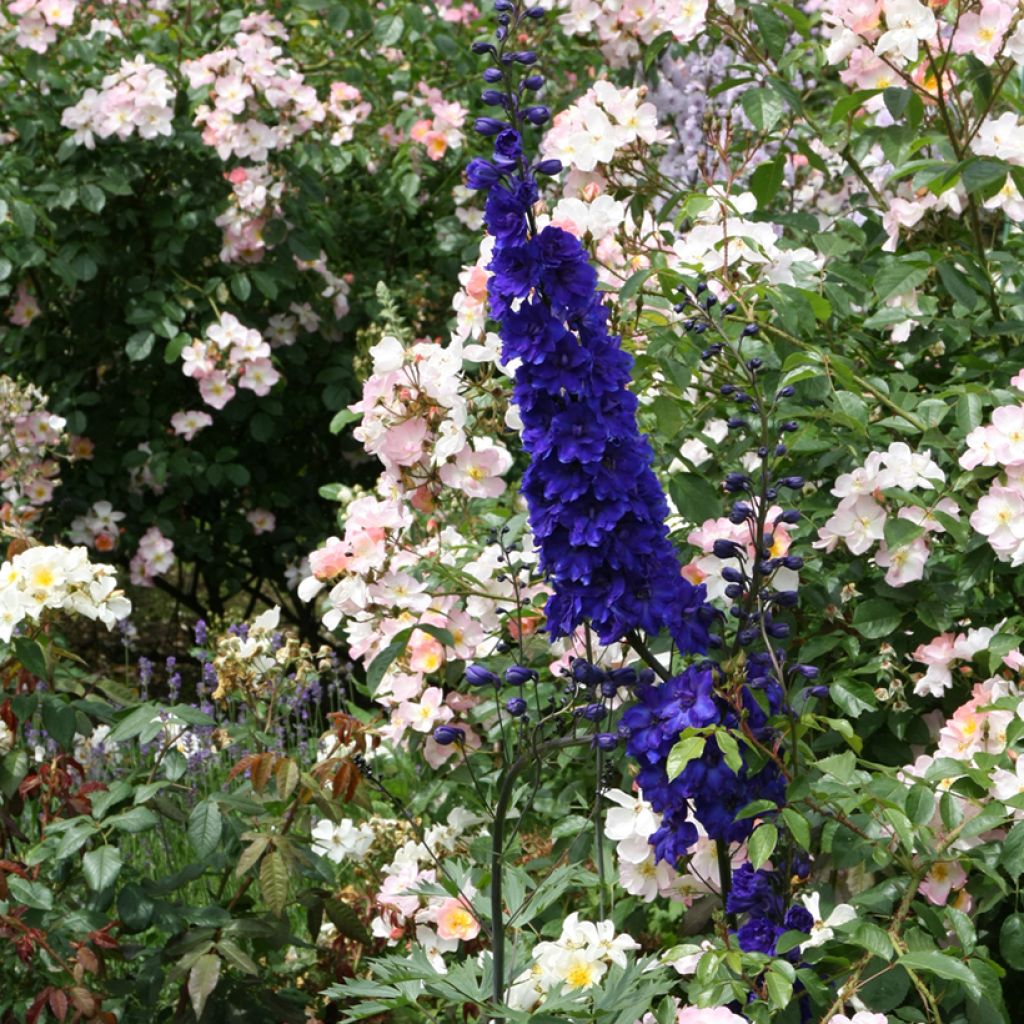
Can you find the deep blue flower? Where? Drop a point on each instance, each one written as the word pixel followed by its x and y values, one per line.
pixel 481 174
pixel 753 892
pixel 758 935
pixel 798 919
pixel 446 735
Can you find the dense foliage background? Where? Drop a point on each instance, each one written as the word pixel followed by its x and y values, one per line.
pixel 351 446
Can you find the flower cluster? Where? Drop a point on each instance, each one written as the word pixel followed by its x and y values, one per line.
pixel 259 101
pixel 864 510
pixel 590 477
pixel 135 99
pixel 760 895
pixel 625 29
pixel 56 578
pixel 709 788
pixel 31 438
pixel 576 961
pixel 605 124
pixel 98 528
pixel 630 825
pixel 999 516
pixel 231 353
pixel 154 557
pixel 38 20
pixel 443 129
pixel 255 198
pixel 414 417
pixel 437 923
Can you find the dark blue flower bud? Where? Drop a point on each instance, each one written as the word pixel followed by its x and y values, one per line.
pixel 710 301
pixel 519 675
pixel 736 423
pixel 734 590
pixel 787 392
pixel 533 82
pixel 537 115
pixel 726 549
pixel 786 598
pixel 524 57
pixel 492 75
pixel 793 482
pixel 746 637
pixel 790 516
pixel 751 329
pixel 446 735
pixel 732 575
pixel 780 449
pixel 818 691
pixel 807 671
pixel 646 676
pixel 595 712
pixel 729 307
pixel 503 5
pixel 755 364
pixel 477 675
pixel 516 707
pixel 727 389
pixel 625 676
pixel 779 630
pixel 481 174
pixel 489 125
pixel 794 562
pixel 789 426
pixel 493 97
pixel 701 287
pixel 608 688
pixel 605 741
pixel 483 47
pixel 548 167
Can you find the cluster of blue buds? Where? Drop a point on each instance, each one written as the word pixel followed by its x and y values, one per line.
pixel 596 508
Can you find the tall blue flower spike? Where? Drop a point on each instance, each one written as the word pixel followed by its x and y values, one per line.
pixel 596 508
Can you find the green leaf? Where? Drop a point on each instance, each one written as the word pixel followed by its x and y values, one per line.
pixel 694 498
pixel 32 656
pixel 730 749
pixel 204 827
pixel 763 108
pixel 342 419
pixel 980 174
pixel 685 751
pixel 31 894
pixel 766 181
pixel 388 30
pixel 1011 941
pixel 870 937
pixel 899 532
pixel 92 197
pixel 134 907
pixel 139 346
pixel 876 618
pixel 942 966
pixel 59 721
pixel 799 827
pixel 762 844
pixel 101 867
pixel 202 980
pixel 920 804
pixel 839 766
pixel 138 819
pixel 274 882
pixel 773 32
